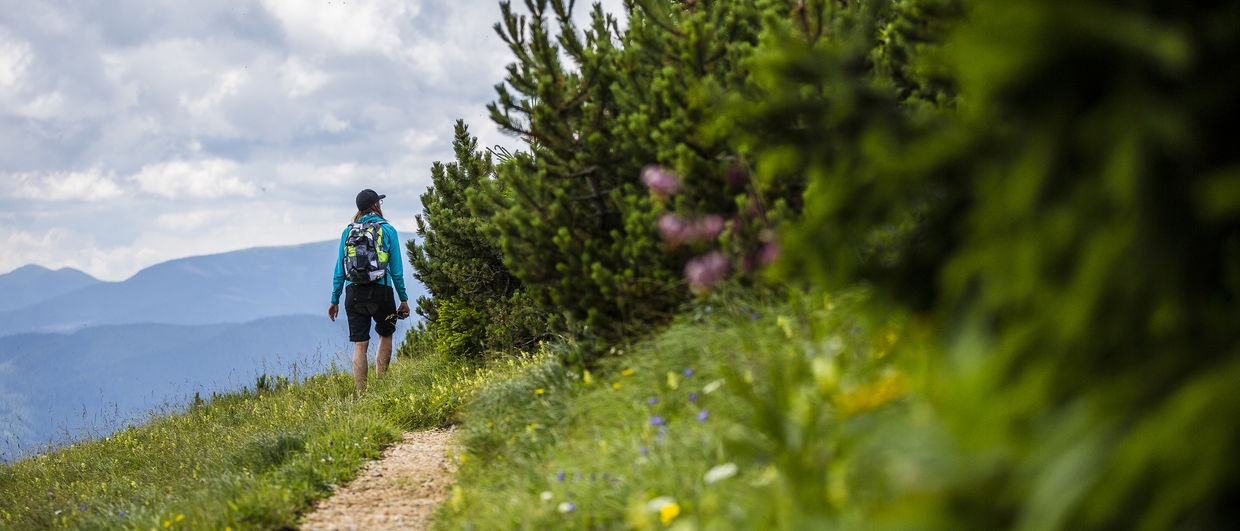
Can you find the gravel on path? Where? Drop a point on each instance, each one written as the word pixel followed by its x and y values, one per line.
pixel 398 491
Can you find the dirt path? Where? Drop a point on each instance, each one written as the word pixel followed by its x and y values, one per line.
pixel 399 491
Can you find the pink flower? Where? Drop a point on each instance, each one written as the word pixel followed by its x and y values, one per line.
pixel 660 180
pixel 673 228
pixel 705 271
pixel 769 253
pixel 707 228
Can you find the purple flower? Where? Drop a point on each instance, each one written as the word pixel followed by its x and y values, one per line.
pixel 82 508
pixel 753 316
pixel 643 450
pixel 652 401
pixel 693 397
pixel 707 228
pixel 657 421
pixel 120 513
pixel 688 373
pixel 559 476
pixel 769 253
pixel 660 181
pixel 703 415
pixel 705 271
pixel 672 228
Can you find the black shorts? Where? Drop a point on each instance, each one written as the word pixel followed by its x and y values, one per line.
pixel 364 302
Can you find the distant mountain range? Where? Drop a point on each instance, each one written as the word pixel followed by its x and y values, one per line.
pixel 230 287
pixel 31 284
pixel 83 356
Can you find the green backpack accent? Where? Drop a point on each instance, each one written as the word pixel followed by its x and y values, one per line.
pixel 366 255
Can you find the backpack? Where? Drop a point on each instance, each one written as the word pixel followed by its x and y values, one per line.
pixel 366 254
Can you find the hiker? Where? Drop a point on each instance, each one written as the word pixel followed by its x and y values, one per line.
pixel 368 266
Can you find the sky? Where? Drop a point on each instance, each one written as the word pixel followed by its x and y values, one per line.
pixel 136 132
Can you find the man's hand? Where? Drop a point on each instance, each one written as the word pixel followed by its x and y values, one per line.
pixel 333 311
pixel 403 311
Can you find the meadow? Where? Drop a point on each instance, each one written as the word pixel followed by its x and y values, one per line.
pixel 252 459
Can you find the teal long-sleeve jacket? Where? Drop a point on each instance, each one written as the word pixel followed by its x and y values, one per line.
pixel 395 266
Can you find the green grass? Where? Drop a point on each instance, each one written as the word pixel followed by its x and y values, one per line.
pixel 251 459
pixel 796 407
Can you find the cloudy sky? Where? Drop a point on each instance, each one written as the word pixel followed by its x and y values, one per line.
pixel 134 132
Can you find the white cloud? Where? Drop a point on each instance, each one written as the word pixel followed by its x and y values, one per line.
pixel 89 185
pixel 301 78
pixel 187 221
pixel 332 124
pixel 361 26
pixel 15 57
pixel 203 179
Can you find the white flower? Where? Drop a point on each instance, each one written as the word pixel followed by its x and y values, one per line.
pixel 658 503
pixel 546 495
pixel 567 507
pixel 720 473
pixel 711 387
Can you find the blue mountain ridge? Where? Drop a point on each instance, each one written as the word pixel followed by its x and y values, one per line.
pixel 233 287
pixel 91 359
pixel 31 284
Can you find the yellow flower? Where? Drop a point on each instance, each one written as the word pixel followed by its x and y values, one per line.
pixel 627 372
pixel 668 512
pixel 538 391
pixel 615 385
pixel 180 517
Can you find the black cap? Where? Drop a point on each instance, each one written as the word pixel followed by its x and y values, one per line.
pixel 366 198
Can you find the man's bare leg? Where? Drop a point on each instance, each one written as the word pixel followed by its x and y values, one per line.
pixel 384 356
pixel 359 363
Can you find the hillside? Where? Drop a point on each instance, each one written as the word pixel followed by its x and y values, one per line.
pixel 97 379
pixel 31 284
pixel 231 287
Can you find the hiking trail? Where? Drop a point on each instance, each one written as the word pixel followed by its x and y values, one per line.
pixel 398 491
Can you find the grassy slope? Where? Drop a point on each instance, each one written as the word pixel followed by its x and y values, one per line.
pixel 242 460
pixel 790 405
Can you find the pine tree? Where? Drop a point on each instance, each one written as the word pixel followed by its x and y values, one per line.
pixel 575 223
pixel 471 289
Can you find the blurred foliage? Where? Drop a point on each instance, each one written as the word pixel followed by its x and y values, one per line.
pixel 1069 218
pixel 476 304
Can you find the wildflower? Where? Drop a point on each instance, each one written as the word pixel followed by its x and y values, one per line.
pixel 120 513
pixel 559 476
pixel 703 415
pixel 652 401
pixel 657 421
pixel 693 397
pixel 546 495
pixel 643 450
pixel 711 387
pixel 667 508
pixel 538 391
pixel 669 512
pixel 672 228
pixel 567 507
pixel 688 373
pixel 82 509
pixel 627 372
pixel 753 316
pixel 180 517
pixel 660 181
pixel 720 473
pixel 769 253
pixel 615 385
pixel 705 271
